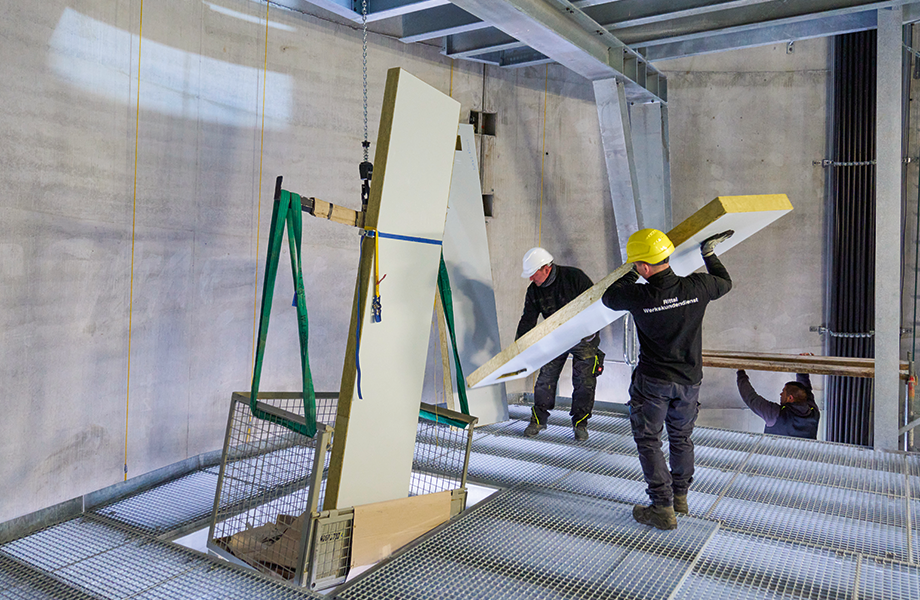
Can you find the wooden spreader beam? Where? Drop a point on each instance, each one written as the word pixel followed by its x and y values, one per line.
pixel 795 363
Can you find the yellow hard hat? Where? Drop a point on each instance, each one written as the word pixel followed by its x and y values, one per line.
pixel 649 246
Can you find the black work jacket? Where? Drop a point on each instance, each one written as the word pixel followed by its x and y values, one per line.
pixel 544 300
pixel 795 419
pixel 669 317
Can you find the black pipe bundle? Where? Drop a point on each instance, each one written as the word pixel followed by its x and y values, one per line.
pixel 852 286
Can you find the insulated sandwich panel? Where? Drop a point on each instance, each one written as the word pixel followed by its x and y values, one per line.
pixel 466 254
pixel 746 215
pixel 384 369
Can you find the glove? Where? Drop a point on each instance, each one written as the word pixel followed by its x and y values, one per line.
pixel 708 246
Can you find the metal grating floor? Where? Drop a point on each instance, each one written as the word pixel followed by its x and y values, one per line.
pixel 90 558
pixel 530 542
pixel 784 518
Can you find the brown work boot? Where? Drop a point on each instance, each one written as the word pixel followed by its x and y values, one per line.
pixel 581 432
pixel 660 517
pixel 680 505
pixel 534 428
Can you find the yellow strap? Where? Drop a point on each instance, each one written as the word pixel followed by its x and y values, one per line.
pixel 376 264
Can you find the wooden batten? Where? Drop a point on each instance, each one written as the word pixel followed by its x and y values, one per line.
pixel 793 363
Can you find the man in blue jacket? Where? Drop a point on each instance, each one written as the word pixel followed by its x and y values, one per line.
pixel 666 383
pixel 796 415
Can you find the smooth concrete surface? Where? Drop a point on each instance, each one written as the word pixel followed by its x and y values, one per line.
pixel 738 121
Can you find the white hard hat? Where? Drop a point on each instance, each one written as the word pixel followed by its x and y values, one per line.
pixel 533 260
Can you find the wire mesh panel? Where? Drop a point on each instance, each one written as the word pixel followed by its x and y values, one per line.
pixel 264 505
pixel 213 581
pixel 21 582
pixel 746 567
pixel 130 569
pixel 440 457
pixel 888 580
pixel 167 507
pixel 503 461
pixel 814 528
pixel 825 463
pixel 535 543
pixel 64 544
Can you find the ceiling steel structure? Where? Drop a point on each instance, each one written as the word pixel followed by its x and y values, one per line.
pixel 600 39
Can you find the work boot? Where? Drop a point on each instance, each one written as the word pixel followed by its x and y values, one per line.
pixel 660 517
pixel 533 428
pixel 680 504
pixel 581 432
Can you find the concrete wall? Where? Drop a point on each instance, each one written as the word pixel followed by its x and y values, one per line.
pixel 89 287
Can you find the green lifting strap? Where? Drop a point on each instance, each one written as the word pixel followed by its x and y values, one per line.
pixel 288 211
pixel 446 300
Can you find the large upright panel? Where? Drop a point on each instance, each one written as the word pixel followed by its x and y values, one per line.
pixel 466 254
pixel 581 317
pixel 385 362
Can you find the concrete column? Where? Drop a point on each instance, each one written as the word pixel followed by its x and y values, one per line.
pixel 613 116
pixel 650 144
pixel 888 228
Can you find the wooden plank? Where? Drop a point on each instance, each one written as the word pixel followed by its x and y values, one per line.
pixel 746 215
pixel 382 528
pixel 444 342
pixel 466 254
pixel 375 436
pixel 794 363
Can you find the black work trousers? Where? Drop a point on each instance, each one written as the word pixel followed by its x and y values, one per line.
pixel 583 381
pixel 652 404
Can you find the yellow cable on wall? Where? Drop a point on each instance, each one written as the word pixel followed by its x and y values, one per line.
pixel 137 122
pixel 255 299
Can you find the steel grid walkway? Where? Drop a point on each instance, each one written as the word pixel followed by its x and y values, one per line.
pixel 770 518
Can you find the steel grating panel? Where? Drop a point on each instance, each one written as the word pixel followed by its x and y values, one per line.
pixel 724 459
pixel 728 440
pixel 744 567
pixel 807 527
pixel 625 483
pixel 500 471
pixel 85 558
pixel 861 506
pixel 20 582
pixel 829 464
pixel 129 569
pixel 886 580
pixel 535 543
pixel 563 434
pixel 64 544
pixel 831 453
pixel 598 421
pixel 912 462
pixel 854 477
pixel 218 582
pixel 166 507
pixel 915 530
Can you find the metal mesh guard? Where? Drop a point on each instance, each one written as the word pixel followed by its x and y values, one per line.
pixel 262 510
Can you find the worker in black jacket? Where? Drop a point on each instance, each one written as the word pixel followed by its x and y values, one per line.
pixel 796 415
pixel 552 287
pixel 666 383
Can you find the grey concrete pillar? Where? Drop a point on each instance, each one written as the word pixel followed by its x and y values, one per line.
pixel 613 116
pixel 888 229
